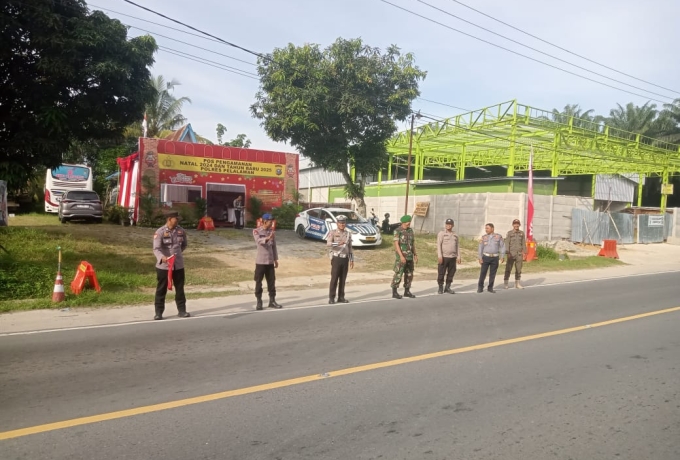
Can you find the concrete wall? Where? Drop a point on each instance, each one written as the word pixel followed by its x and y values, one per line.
pixel 471 211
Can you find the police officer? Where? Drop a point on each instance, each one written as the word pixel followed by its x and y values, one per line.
pixel 405 251
pixel 516 243
pixel 491 250
pixel 266 261
pixel 448 254
pixel 170 240
pixel 238 209
pixel 339 242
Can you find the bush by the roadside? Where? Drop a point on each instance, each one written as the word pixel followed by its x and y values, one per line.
pixel 544 253
pixel 285 215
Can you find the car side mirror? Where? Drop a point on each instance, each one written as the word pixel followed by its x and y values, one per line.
pixel 329 220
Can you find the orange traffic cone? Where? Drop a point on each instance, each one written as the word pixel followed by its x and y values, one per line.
pixel 58 293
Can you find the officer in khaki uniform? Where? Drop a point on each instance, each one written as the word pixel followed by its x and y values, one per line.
pixel 339 243
pixel 170 240
pixel 516 244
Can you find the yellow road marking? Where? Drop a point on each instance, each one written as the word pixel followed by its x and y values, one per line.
pixel 310 378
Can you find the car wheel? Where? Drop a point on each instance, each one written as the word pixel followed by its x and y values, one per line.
pixel 63 220
pixel 300 231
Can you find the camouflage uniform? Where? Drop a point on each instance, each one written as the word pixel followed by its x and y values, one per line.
pixel 406 239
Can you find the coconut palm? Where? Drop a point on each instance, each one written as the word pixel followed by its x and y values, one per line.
pixel 633 118
pixel 581 119
pixel 164 113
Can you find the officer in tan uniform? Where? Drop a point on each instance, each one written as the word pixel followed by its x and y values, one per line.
pixel 339 243
pixel 516 244
pixel 170 240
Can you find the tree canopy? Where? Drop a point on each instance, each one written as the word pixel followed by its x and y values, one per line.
pixel 67 75
pixel 337 106
pixel 241 140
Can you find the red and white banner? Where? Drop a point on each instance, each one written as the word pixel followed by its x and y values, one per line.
pixel 128 183
pixel 530 195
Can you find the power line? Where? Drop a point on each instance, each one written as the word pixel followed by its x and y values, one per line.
pixel 561 48
pixel 541 52
pixel 233 45
pixel 205 62
pixel 519 54
pixel 441 103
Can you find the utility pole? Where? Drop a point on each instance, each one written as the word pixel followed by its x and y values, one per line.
pixel 408 168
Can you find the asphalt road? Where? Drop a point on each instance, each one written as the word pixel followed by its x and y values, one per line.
pixel 609 391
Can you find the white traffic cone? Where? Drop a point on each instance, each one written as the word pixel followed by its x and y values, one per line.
pixel 58 294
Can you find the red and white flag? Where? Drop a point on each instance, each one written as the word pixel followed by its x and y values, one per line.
pixel 530 194
pixel 171 265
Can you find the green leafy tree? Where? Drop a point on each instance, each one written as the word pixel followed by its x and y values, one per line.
pixel 241 140
pixel 337 106
pixel 68 75
pixel 634 119
pixel 581 119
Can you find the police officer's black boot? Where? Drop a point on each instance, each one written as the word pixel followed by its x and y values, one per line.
pixel 395 294
pixel 407 293
pixel 448 289
pixel 258 306
pixel 159 313
pixel 441 289
pixel 273 304
pixel 183 313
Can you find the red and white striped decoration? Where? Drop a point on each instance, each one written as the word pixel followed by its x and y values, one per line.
pixel 129 183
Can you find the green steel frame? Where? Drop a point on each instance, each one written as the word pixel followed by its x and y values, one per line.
pixel 502 135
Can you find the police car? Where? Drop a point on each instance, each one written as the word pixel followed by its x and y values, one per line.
pixel 316 223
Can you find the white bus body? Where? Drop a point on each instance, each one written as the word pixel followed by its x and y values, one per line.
pixel 62 179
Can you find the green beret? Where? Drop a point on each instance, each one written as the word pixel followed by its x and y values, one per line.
pixel 405 219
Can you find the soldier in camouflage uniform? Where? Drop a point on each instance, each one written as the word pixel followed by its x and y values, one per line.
pixel 405 251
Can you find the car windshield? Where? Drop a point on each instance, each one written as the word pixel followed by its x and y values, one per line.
pixel 352 217
pixel 82 195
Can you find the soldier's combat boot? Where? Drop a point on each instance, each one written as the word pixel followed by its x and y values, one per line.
pixel 407 293
pixel 331 300
pixel 183 314
pixel 342 300
pixel 441 289
pixel 395 294
pixel 505 284
pixel 448 289
pixel 273 304
pixel 258 305
pixel 518 285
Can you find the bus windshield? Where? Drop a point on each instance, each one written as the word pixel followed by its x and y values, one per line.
pixel 71 173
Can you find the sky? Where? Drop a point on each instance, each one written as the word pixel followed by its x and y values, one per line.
pixel 633 37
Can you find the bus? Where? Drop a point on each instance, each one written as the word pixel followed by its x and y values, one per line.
pixel 63 179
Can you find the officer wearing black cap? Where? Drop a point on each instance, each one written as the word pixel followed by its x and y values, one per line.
pixel 339 243
pixel 448 254
pixel 516 243
pixel 170 241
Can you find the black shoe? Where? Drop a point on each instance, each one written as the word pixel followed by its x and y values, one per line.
pixel 448 289
pixel 441 289
pixel 491 290
pixel 331 301
pixel 479 291
pixel 407 293
pixel 157 317
pixel 395 294
pixel 273 304
pixel 183 314
pixel 342 300
pixel 258 305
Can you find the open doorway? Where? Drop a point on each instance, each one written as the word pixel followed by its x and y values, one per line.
pixel 220 201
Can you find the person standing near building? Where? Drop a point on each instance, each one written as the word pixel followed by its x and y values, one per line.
pixel 238 208
pixel 491 250
pixel 266 261
pixel 170 241
pixel 339 242
pixel 516 243
pixel 448 255
pixel 405 251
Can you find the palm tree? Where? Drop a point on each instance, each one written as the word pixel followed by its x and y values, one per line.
pixel 668 123
pixel 164 113
pixel 581 119
pixel 634 119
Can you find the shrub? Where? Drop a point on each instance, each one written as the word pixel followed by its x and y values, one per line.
pixel 285 215
pixel 117 214
pixel 201 208
pixel 255 207
pixel 544 253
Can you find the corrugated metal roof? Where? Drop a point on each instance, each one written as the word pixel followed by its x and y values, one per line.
pixel 614 188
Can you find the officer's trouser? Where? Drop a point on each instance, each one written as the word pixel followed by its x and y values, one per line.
pixel 339 269
pixel 517 261
pixel 162 290
pixel 404 270
pixel 490 265
pixel 448 268
pixel 268 272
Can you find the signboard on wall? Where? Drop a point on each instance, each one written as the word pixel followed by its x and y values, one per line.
pixel 666 189
pixel 655 221
pixel 220 166
pixel 421 209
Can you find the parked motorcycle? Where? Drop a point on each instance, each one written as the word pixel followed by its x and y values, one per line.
pixel 374 219
pixel 387 227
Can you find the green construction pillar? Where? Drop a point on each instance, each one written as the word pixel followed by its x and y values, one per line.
pixel 592 190
pixel 664 197
pixel 513 147
pixel 460 167
pixel 389 167
pixel 639 197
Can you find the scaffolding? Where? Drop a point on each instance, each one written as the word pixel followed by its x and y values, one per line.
pixel 504 134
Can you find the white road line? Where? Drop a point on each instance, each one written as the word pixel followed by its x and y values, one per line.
pixel 306 307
